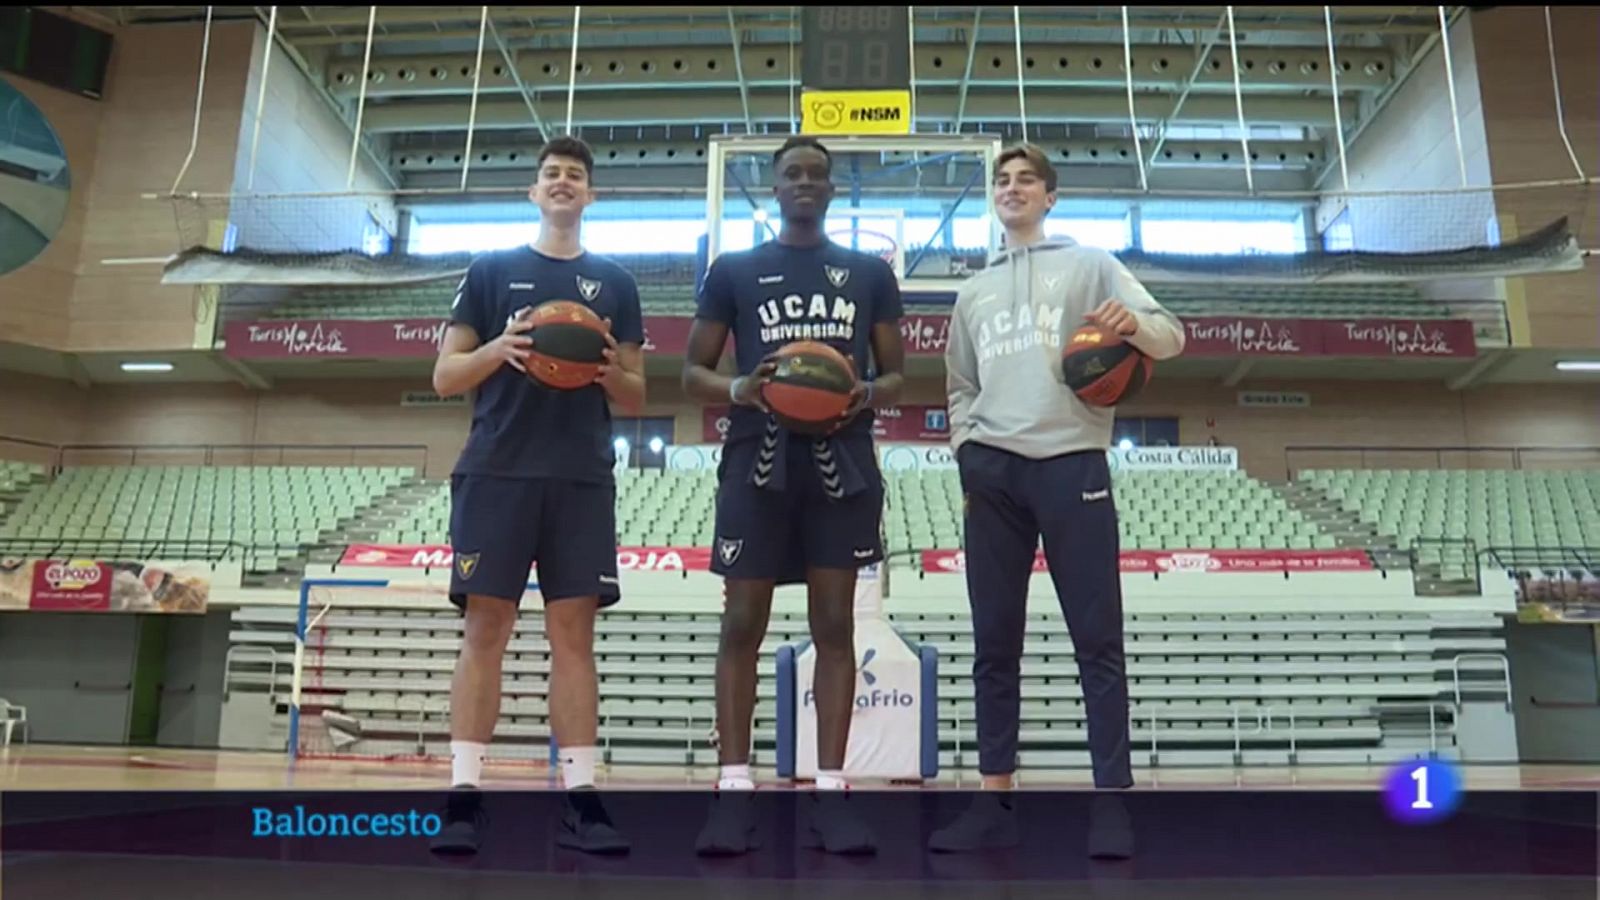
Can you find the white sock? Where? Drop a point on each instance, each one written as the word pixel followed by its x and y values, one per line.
pixel 577 766
pixel 466 762
pixel 736 778
pixel 831 780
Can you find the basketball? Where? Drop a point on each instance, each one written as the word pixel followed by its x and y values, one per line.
pixel 1102 368
pixel 811 387
pixel 568 345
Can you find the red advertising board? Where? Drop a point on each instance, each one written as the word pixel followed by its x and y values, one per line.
pixel 334 338
pixel 1176 561
pixel 63 585
pixel 896 423
pixel 439 556
pixel 698 559
pixel 925 334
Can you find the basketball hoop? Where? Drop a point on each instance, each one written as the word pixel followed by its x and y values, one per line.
pixel 868 241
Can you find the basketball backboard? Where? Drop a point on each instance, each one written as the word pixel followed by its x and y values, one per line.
pixel 922 200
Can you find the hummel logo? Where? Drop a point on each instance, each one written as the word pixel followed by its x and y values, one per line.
pixel 608 579
pixel 862 554
pixel 1092 496
pixel 520 286
pixel 770 279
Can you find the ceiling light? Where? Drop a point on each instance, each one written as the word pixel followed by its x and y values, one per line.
pixel 1577 365
pixel 147 367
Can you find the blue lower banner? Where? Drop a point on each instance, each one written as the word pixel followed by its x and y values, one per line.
pixel 357 844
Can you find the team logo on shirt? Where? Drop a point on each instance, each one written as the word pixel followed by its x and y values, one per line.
pixel 837 275
pixel 795 318
pixel 589 288
pixel 1005 332
pixel 466 564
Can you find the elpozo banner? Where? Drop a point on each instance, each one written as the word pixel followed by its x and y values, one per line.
pixel 116 586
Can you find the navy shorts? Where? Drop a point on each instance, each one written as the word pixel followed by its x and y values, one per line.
pixel 766 534
pixel 500 527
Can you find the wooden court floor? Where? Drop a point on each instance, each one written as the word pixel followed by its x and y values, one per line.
pixel 56 767
pixel 95 876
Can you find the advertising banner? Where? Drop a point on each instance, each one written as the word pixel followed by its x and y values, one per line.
pixel 1193 561
pixel 88 585
pixel 925 334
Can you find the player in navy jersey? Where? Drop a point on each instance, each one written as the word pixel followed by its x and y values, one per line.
pixel 534 484
pixel 793 508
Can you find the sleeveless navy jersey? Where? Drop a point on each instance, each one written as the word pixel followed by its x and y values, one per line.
pixel 774 295
pixel 520 428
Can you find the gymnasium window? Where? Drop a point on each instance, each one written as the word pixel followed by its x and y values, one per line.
pixel 643 440
pixel 1339 236
pixel 1214 236
pixel 676 228
pixel 1145 432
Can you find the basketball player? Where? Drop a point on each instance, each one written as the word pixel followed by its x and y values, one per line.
pixel 1032 460
pixel 793 508
pixel 534 484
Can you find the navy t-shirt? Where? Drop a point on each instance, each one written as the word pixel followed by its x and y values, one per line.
pixel 774 295
pixel 520 428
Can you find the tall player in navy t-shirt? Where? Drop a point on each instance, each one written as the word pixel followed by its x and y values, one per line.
pixel 793 508
pixel 534 484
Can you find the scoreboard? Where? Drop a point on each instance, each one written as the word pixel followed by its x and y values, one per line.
pixel 855 70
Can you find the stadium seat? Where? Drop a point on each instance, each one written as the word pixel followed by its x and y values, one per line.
pixel 1206 688
pixel 1491 508
pixel 263 514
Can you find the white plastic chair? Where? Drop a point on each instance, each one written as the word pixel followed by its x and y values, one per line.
pixel 12 715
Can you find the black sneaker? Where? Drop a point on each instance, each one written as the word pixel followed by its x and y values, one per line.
pixel 586 826
pixel 834 827
pixel 731 828
pixel 988 824
pixel 1110 829
pixel 464 823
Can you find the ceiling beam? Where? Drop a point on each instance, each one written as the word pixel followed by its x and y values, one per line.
pixel 1480 370
pixel 1264 68
pixel 1381 101
pixel 935 108
pixel 690 181
pixel 1188 87
pixel 1108 151
pixel 334 106
pixel 1239 373
pixel 512 68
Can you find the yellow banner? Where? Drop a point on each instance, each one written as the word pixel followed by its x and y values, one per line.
pixel 855 112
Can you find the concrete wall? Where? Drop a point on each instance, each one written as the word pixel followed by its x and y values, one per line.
pixel 1343 413
pixel 1525 145
pixel 1411 146
pixel 303 148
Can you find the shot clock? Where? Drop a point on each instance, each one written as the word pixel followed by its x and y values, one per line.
pixel 855 70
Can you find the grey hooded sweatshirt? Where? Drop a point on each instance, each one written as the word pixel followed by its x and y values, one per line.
pixel 1003 357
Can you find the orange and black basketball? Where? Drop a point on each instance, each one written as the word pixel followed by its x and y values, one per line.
pixel 1102 368
pixel 568 345
pixel 811 387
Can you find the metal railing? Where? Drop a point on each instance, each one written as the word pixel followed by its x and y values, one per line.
pixel 183 549
pixel 56 457
pixel 1550 558
pixel 1456 559
pixel 1513 458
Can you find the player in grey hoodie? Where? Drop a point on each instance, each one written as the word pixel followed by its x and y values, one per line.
pixel 1032 458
